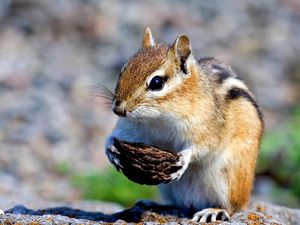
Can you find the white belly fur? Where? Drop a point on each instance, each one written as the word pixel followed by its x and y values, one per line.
pixel 200 186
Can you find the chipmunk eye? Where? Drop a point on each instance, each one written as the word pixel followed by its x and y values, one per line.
pixel 156 83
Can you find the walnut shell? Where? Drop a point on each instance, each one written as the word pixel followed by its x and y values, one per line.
pixel 144 164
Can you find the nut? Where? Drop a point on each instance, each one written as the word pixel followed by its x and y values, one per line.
pixel 144 164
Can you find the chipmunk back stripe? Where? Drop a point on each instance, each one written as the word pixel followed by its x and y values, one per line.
pixel 205 59
pixel 222 73
pixel 235 93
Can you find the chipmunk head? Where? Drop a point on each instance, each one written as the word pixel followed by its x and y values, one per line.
pixel 155 80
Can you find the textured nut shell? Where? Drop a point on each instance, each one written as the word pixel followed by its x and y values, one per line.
pixel 144 164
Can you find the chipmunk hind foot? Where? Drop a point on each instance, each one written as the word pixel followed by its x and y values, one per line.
pixel 211 215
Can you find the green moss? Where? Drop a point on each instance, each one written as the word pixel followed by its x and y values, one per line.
pixel 63 168
pixel 280 156
pixel 111 185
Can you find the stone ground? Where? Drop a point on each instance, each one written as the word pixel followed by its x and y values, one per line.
pixel 146 212
pixel 51 51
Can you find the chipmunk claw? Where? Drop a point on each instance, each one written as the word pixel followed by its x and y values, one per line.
pixel 211 215
pixel 112 154
pixel 183 162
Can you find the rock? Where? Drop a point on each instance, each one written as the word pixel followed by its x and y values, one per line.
pixel 35 203
pixel 49 51
pixel 280 213
pixel 253 217
pixel 146 212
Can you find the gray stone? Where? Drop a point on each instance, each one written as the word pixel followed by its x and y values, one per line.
pixel 147 212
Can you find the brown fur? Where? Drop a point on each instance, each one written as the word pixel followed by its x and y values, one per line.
pixel 244 129
pixel 138 69
pixel 214 120
pixel 148 40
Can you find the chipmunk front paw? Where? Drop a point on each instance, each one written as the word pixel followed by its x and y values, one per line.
pixel 183 162
pixel 113 153
pixel 211 215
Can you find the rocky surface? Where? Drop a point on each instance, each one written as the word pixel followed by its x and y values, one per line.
pixel 146 212
pixel 104 207
pixel 285 215
pixel 52 50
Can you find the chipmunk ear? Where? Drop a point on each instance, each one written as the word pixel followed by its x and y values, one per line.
pixel 148 40
pixel 182 49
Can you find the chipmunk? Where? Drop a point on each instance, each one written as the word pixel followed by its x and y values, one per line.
pixel 199 109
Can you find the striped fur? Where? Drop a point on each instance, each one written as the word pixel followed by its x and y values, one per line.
pixel 204 109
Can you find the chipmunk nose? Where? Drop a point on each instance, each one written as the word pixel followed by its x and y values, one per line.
pixel 119 108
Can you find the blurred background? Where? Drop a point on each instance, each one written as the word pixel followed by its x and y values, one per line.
pixel 51 51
